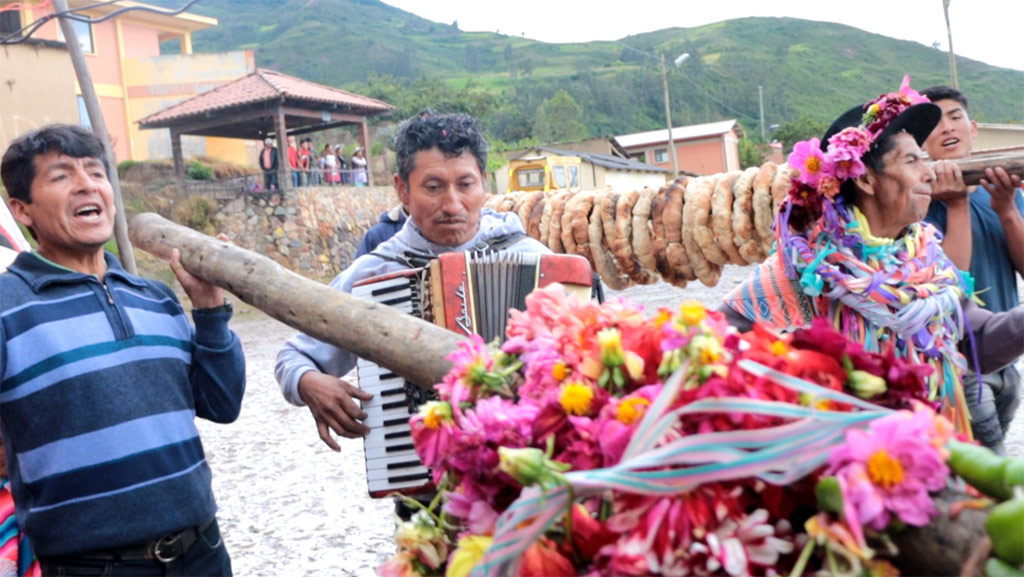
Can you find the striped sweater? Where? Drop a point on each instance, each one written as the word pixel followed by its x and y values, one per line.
pixel 100 384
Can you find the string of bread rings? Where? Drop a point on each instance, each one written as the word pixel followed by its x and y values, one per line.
pixel 686 231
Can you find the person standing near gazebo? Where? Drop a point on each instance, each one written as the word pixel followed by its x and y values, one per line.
pixel 268 163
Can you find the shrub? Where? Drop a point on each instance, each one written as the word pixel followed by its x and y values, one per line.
pixel 195 212
pixel 199 171
pixel 123 166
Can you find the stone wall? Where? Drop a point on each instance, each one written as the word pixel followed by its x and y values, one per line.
pixel 313 231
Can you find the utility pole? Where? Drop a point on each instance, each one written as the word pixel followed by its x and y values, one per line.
pixel 760 104
pixel 92 106
pixel 952 56
pixel 668 119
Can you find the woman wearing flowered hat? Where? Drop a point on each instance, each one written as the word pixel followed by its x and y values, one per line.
pixel 851 247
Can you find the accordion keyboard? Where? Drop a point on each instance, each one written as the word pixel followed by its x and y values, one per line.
pixel 391 462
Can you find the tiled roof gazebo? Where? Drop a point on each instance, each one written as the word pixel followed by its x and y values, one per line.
pixel 261 104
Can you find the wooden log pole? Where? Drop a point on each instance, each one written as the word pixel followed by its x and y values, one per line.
pixel 412 348
pixel 973 167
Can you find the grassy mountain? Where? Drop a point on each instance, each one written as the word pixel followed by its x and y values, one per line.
pixel 805 69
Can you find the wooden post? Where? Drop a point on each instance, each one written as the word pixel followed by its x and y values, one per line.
pixel 364 138
pixel 99 126
pixel 284 169
pixel 410 347
pixel 179 160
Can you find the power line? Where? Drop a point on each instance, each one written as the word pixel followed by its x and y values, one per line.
pixel 26 32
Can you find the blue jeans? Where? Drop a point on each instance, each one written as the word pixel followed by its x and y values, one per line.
pixel 206 557
pixel 1000 397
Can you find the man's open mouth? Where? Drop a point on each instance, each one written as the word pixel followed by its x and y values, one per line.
pixel 89 211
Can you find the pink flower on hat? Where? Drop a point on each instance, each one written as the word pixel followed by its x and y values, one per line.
pixel 846 148
pixel 810 162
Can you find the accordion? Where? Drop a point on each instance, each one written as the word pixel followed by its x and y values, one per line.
pixel 469 293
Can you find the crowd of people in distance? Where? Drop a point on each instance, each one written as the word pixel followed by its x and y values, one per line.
pixel 328 168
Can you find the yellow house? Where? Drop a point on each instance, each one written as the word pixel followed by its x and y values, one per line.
pixel 132 77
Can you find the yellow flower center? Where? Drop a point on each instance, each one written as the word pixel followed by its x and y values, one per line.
pixel 631 409
pixel 813 165
pixel 558 371
pixel 779 348
pixel 883 470
pixel 575 399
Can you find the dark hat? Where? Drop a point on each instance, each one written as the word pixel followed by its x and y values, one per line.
pixel 918 120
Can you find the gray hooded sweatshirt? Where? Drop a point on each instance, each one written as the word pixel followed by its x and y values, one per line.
pixel 303 353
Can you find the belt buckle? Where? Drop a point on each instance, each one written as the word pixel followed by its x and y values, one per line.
pixel 165 550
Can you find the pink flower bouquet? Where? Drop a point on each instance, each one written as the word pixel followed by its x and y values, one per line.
pixel 600 441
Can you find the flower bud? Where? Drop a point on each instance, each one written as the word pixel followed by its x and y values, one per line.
pixel 865 385
pixel 530 466
pixel 610 340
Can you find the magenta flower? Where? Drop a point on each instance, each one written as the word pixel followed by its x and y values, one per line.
pixel 810 162
pixel 889 469
pixel 470 362
pixel 432 432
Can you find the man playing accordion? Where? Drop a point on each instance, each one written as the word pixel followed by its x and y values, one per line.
pixel 442 161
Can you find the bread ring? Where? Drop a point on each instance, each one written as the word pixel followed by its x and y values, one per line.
pixel 555 222
pixel 659 244
pixel 568 242
pixel 672 218
pixel 743 216
pixel 508 200
pixel 622 247
pixel 721 216
pixel 580 222
pixel 697 200
pixel 536 214
pixel 492 201
pixel 697 218
pixel 763 215
pixel 604 264
pixel 525 206
pixel 780 187
pixel 545 218
pixel 642 230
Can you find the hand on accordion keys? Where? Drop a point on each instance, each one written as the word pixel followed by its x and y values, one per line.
pixel 330 400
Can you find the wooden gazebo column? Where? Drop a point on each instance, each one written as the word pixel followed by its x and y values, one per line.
pixel 179 160
pixel 284 168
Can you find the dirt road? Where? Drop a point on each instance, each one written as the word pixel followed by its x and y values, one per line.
pixel 291 506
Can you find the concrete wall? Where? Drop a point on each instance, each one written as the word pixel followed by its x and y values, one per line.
pixel 157 82
pixel 311 231
pixel 30 99
pixel 998 136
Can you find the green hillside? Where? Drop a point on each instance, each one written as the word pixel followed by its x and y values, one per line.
pixel 806 69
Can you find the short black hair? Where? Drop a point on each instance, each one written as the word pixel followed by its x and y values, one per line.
pixel 18 168
pixel 452 134
pixel 943 92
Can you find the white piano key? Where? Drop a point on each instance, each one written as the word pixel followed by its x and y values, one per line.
pixel 378 468
pixel 373 453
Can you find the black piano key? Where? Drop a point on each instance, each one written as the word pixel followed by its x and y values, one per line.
pixel 404 478
pixel 393 422
pixel 397 448
pixel 404 464
pixel 398 435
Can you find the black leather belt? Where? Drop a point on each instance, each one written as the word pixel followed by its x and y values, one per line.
pixel 164 550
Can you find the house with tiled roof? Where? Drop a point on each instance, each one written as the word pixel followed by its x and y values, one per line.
pixel 700 148
pixel 140 61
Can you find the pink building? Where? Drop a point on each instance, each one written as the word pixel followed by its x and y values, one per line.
pixel 132 76
pixel 700 149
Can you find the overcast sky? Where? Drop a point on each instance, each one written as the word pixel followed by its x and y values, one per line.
pixel 991 31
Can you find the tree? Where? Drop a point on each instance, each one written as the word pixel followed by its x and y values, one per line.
pixel 559 119
pixel 752 153
pixel 803 128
